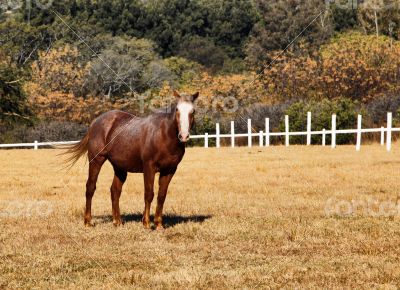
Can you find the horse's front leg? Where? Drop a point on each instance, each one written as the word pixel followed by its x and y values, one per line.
pixel 148 175
pixel 164 180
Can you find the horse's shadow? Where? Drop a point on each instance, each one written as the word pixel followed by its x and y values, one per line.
pixel 169 220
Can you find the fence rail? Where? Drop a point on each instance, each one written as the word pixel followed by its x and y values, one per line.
pixel 265 136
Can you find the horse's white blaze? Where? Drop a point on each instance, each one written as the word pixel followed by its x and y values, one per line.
pixel 184 109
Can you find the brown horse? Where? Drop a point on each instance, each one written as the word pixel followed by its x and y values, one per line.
pixel 141 145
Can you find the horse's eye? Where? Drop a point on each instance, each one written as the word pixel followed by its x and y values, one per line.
pixel 193 111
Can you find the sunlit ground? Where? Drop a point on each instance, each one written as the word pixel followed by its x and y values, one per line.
pixel 235 218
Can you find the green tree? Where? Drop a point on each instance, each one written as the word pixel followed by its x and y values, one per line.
pixel 172 25
pixel 22 42
pixel 344 18
pixel 13 101
pixel 230 23
pixel 203 51
pixel 281 21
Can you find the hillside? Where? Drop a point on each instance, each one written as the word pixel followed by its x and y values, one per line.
pixel 63 63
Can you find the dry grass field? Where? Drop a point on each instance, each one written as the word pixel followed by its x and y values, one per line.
pixel 297 217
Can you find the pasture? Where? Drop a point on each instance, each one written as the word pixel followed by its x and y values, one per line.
pixel 297 217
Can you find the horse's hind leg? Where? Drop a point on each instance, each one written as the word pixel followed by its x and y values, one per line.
pixel 116 188
pixel 94 170
pixel 148 174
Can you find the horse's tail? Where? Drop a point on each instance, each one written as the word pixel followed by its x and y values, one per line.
pixel 75 151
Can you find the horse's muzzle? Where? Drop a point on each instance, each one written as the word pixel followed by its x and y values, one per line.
pixel 183 137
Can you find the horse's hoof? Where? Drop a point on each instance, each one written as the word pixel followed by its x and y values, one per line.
pixel 146 226
pixel 89 224
pixel 117 223
pixel 160 228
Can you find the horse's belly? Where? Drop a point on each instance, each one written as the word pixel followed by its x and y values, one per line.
pixel 135 168
pixel 132 164
pixel 169 162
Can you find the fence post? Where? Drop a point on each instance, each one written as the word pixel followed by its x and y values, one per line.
pixel 206 140
pixel 333 145
pixel 232 134
pixel 286 130
pixel 308 128
pixel 217 135
pixel 267 132
pixel 389 132
pixel 323 137
pixel 359 125
pixel 35 146
pixel 249 132
pixel 382 136
pixel 261 138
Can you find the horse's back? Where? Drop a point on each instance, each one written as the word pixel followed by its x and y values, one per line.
pixel 105 127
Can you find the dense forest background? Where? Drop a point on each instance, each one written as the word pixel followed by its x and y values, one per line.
pixel 63 63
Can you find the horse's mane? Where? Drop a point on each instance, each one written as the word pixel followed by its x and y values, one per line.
pixel 168 110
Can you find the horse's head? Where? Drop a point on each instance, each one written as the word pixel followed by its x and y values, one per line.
pixel 184 114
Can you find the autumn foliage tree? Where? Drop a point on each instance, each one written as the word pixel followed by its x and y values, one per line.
pixel 59 70
pixel 355 66
pixel 56 85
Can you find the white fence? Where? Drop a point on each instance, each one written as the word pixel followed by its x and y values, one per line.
pixel 264 137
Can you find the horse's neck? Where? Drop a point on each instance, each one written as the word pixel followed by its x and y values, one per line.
pixel 172 127
pixel 174 145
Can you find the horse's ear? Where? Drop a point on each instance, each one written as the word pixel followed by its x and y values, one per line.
pixel 195 96
pixel 177 95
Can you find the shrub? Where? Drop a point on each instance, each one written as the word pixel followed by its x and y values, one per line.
pixel 57 131
pixel 184 70
pixel 345 109
pixel 257 113
pixel 203 124
pixel 43 132
pixel 204 51
pixel 378 108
